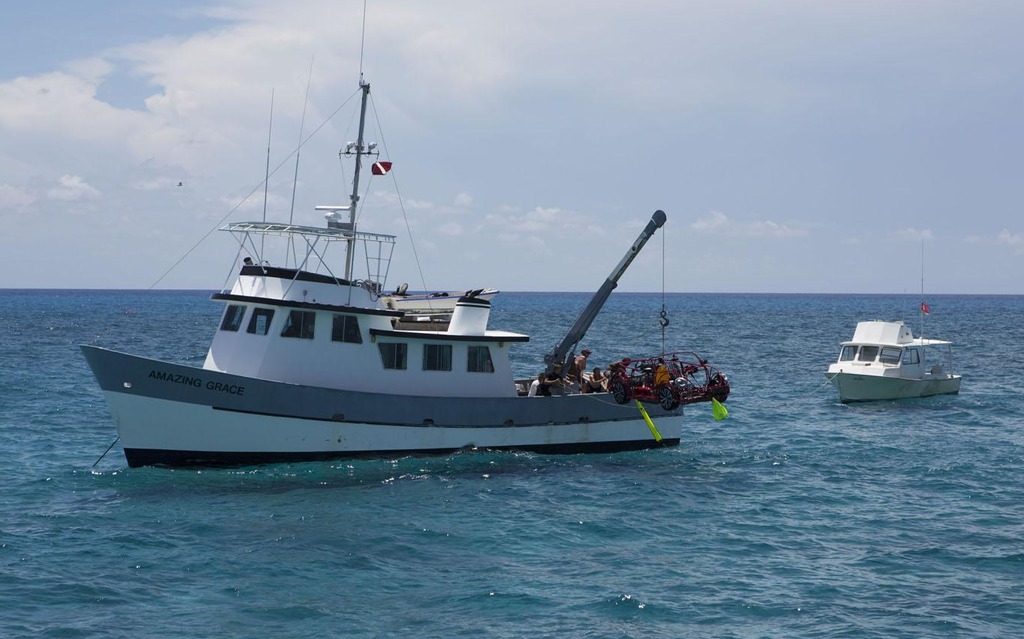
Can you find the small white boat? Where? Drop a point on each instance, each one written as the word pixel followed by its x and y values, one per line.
pixel 885 361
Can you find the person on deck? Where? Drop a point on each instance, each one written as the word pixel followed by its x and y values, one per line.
pixel 554 378
pixel 541 387
pixel 596 383
pixel 661 374
pixel 579 365
pixel 535 386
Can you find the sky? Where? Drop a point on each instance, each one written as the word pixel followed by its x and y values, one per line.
pixel 796 146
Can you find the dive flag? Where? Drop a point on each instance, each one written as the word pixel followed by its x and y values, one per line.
pixel 380 168
pixel 718 410
pixel 925 308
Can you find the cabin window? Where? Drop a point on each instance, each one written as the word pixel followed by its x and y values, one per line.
pixel 233 317
pixel 848 353
pixel 868 353
pixel 437 357
pixel 394 355
pixel 479 360
pixel 911 356
pixel 259 323
pixel 299 324
pixel 890 355
pixel 346 329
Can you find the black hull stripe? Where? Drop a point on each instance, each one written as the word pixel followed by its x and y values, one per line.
pixel 138 457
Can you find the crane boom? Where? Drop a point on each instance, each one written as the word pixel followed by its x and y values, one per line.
pixel 560 354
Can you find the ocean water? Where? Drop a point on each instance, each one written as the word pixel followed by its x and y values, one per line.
pixel 795 517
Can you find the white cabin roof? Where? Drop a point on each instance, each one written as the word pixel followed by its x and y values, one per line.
pixel 878 332
pixel 888 334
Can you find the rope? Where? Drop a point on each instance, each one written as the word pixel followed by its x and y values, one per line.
pixel 401 201
pixel 826 382
pixel 106 451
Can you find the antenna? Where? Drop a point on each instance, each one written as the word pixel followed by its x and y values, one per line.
pixel 266 179
pixel 921 306
pixel 364 87
pixel 298 150
pixel 362 43
pixel 922 267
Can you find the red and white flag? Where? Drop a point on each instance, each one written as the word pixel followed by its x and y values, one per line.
pixel 380 168
pixel 925 308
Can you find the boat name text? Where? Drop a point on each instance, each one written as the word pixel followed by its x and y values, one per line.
pixel 197 382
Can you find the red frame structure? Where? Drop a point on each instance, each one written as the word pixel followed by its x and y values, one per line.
pixel 682 377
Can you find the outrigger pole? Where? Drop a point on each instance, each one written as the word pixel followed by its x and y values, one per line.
pixel 561 352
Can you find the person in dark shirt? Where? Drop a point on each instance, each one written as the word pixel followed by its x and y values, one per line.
pixel 554 378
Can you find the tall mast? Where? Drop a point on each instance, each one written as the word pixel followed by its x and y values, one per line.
pixel 354 198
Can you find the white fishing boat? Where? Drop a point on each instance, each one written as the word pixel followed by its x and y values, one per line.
pixel 311 362
pixel 884 361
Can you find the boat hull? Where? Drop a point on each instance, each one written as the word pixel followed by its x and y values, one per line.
pixel 169 414
pixel 868 388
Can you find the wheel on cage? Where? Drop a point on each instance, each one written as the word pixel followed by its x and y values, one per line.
pixel 619 391
pixel 666 398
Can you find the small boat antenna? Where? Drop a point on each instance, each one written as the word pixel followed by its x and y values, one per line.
pixel 923 305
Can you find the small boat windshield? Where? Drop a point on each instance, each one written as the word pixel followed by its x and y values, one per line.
pixel 890 355
pixel 848 353
pixel 867 354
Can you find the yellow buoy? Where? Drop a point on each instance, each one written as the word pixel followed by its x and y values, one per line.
pixel 647 418
pixel 718 410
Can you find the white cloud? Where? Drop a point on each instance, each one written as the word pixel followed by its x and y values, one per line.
pixel 719 223
pixel 73 188
pixel 156 184
pixel 913 235
pixel 12 197
pixel 711 224
pixel 451 229
pixel 463 200
pixel 768 228
pixel 1015 240
pixel 542 219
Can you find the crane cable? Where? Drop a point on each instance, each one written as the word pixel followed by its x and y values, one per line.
pixel 663 315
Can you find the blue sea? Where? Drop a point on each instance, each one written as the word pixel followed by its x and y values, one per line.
pixel 795 517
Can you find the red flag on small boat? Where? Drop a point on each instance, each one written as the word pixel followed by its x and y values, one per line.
pixel 925 308
pixel 380 168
